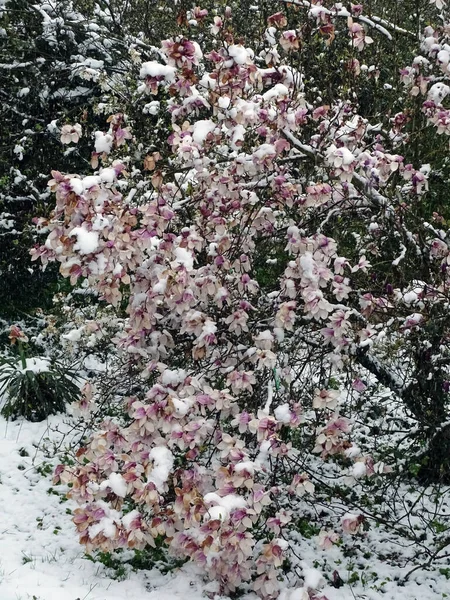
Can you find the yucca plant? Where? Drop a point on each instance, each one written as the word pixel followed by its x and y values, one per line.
pixel 34 387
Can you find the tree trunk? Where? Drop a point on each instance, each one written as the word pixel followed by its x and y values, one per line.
pixel 425 397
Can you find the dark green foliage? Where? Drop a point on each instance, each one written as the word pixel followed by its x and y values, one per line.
pixel 35 396
pixel 25 286
pixel 148 558
pixel 40 83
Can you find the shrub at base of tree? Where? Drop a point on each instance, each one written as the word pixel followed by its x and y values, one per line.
pixel 34 387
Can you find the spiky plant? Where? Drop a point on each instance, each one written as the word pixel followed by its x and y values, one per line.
pixel 34 387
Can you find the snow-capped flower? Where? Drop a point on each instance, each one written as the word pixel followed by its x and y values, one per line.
pixel 289 40
pixel 352 523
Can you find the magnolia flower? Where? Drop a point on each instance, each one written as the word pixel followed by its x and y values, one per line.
pixel 339 263
pixel 420 182
pixel 354 66
pixel 242 421
pixel 217 26
pixel 438 3
pixel 318 194
pixel 264 340
pixel 278 20
pixel 357 9
pixel 302 485
pixel 341 288
pixel 121 135
pixel 358 35
pixel 316 306
pixel 71 133
pixel 325 399
pixel 181 52
pixel 237 321
pixel 359 386
pixel 285 316
pixel 412 320
pixel 200 13
pixel 17 335
pixel 279 521
pixel 438 248
pixel 363 265
pixel 241 380
pixel 340 158
pixel 352 523
pixel 289 40
pixel 326 539
pixel 329 439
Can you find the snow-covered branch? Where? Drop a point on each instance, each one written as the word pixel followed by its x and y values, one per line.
pixel 374 22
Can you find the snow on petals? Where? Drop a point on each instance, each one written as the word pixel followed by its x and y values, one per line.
pixel 155 69
pixel 162 459
pixel 87 241
pixel 221 506
pixel 116 483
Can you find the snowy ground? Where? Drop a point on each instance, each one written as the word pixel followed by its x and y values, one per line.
pixel 40 558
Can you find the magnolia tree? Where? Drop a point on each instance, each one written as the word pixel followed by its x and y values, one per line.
pixel 273 263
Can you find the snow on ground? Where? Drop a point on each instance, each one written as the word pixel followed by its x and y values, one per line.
pixel 40 558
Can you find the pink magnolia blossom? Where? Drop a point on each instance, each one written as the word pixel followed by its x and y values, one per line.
pixel 352 523
pixel 327 539
pixel 71 133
